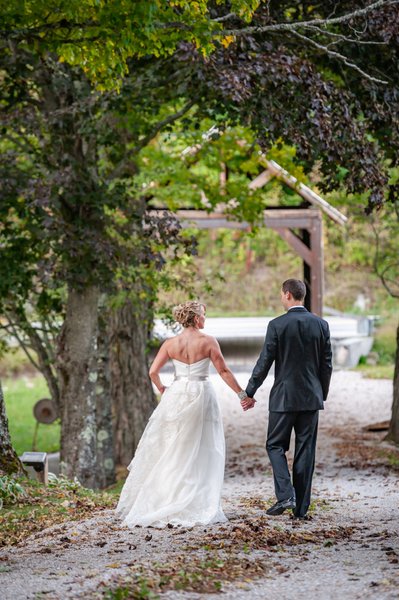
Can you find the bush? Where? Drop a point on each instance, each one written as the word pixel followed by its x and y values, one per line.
pixel 14 362
pixel 385 341
pixel 10 491
pixel 386 349
pixel 62 483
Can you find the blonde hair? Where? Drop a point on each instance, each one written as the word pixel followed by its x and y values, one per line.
pixel 185 313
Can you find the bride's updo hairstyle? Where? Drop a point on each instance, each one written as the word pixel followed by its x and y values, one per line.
pixel 185 313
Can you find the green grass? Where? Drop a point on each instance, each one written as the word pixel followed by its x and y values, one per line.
pixel 21 394
pixel 376 371
pixel 115 489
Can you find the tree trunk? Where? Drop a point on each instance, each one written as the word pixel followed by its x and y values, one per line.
pixel 9 461
pixel 131 389
pixel 105 437
pixel 84 392
pixel 393 433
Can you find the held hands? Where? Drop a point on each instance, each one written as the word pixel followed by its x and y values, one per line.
pixel 247 403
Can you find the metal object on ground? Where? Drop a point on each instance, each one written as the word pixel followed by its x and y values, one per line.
pixel 37 460
pixel 45 411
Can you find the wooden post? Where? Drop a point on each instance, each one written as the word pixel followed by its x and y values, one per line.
pixel 317 268
pixel 310 248
pixel 307 270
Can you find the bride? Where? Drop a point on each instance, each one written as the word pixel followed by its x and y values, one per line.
pixel 176 475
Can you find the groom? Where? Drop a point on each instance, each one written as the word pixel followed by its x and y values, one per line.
pixel 299 344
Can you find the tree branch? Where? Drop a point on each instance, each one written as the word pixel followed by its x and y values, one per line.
pixel 224 18
pixel 28 32
pixel 339 56
pixel 41 348
pixel 25 147
pixel 381 273
pixel 343 38
pixel 161 124
pixel 361 12
pixel 21 342
pixel 389 283
pixel 146 140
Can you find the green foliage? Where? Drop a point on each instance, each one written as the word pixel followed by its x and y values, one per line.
pixel 14 362
pixel 376 371
pixel 385 343
pixel 10 491
pixel 20 396
pixel 230 261
pixel 183 169
pixel 45 506
pixel 80 168
pixel 63 483
pixel 101 36
pixel 118 593
pixel 140 591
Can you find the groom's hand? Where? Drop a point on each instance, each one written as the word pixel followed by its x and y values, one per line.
pixel 247 403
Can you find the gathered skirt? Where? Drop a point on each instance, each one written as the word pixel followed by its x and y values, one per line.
pixel 176 475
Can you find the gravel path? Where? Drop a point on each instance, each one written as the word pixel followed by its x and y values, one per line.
pixel 354 487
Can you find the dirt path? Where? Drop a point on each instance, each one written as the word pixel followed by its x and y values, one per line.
pixel 350 549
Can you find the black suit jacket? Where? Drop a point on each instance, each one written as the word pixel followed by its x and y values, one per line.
pixel 299 344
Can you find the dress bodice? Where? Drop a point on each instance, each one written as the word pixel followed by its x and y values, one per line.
pixel 200 368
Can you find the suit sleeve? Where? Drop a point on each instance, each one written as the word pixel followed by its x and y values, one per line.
pixel 326 363
pixel 264 362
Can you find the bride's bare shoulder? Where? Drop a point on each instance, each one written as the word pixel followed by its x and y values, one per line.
pixel 168 344
pixel 209 339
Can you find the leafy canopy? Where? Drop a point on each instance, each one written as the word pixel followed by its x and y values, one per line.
pixel 100 36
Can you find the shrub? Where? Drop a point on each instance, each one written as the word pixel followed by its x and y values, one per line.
pixel 10 491
pixel 62 483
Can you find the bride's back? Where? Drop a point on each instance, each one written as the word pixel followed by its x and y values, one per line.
pixel 189 347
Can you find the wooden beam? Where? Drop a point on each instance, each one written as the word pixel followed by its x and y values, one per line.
pixel 297 218
pixel 296 243
pixel 261 180
pixel 304 191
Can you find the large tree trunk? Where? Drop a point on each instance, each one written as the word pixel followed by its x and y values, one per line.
pixel 393 433
pixel 132 394
pixel 84 392
pixel 105 437
pixel 9 461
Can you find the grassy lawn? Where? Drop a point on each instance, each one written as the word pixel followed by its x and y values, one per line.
pixel 21 394
pixel 376 371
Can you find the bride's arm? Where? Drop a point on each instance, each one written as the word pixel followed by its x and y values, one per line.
pixel 219 363
pixel 159 361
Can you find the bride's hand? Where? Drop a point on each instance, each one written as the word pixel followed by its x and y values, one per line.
pixel 248 403
pixel 162 389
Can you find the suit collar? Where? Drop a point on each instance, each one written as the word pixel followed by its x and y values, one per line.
pixel 296 308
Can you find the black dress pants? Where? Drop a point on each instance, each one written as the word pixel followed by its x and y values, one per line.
pixel 280 427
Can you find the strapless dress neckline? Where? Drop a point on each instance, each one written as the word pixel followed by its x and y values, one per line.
pixel 190 364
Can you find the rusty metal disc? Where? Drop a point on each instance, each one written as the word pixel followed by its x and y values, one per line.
pixel 45 411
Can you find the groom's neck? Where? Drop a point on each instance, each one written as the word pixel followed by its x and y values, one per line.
pixel 294 305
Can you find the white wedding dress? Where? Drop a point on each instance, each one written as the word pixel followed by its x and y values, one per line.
pixel 176 475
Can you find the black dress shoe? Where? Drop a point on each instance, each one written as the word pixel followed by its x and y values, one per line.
pixel 280 507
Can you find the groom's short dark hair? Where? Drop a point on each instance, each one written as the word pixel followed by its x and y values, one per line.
pixel 296 287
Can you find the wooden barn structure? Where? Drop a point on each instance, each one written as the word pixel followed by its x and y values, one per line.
pixel 301 227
